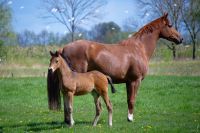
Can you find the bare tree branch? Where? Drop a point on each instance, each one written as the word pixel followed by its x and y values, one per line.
pixel 72 13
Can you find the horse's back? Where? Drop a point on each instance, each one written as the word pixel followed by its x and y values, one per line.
pixel 75 53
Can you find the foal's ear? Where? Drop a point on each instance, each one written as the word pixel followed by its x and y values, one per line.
pixel 57 54
pixel 51 53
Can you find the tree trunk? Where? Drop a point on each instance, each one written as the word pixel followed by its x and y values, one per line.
pixel 194 51
pixel 72 33
pixel 72 36
pixel 174 51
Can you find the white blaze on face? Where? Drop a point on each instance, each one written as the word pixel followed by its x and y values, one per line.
pixel 51 68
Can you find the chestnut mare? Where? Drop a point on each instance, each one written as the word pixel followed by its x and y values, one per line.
pixel 73 83
pixel 125 62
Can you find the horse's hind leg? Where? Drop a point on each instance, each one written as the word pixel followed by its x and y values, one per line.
pixel 98 107
pixel 109 106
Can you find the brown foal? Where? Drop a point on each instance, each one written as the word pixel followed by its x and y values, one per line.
pixel 73 83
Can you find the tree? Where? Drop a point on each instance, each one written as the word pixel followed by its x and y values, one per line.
pixel 43 37
pixel 72 13
pixel 106 32
pixel 26 38
pixel 191 19
pixel 158 7
pixel 6 33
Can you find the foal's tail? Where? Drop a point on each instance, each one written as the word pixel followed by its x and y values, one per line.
pixel 111 84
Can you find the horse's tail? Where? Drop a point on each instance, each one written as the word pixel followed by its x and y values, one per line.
pixel 111 84
pixel 53 91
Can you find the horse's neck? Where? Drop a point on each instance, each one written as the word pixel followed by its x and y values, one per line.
pixel 149 41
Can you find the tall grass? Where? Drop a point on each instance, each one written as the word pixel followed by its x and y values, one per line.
pixel 27 55
pixel 183 52
pixel 39 54
pixel 34 60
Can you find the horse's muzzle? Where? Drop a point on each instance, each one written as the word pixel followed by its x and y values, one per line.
pixel 181 40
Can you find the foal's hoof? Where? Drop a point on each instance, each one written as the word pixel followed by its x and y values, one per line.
pixel 70 124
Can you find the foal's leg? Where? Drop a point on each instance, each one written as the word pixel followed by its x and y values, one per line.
pixel 66 111
pixel 108 105
pixel 132 88
pixel 98 107
pixel 70 96
pixel 68 101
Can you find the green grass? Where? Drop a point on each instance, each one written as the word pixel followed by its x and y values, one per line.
pixel 164 104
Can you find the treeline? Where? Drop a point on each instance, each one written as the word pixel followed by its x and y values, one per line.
pixel 108 32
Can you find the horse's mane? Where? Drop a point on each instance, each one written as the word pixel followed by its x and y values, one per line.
pixel 148 28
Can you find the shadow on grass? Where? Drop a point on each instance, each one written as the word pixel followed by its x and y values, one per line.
pixel 1 129
pixel 40 126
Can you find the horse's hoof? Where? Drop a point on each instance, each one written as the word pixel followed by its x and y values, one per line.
pixel 130 117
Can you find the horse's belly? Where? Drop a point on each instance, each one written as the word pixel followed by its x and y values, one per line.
pixel 110 64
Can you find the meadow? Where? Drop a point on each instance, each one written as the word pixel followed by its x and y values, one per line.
pixel 164 104
pixel 167 101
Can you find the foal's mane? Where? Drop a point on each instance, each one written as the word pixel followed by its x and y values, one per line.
pixel 67 62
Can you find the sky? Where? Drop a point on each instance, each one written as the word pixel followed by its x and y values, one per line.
pixel 28 15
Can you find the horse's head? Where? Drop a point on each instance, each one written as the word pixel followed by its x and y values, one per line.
pixel 55 61
pixel 168 32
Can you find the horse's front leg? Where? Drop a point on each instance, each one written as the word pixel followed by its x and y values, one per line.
pixel 132 88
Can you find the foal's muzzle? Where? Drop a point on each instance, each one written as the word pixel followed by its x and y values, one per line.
pixel 50 70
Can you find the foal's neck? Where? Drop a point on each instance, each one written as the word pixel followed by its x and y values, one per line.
pixel 64 69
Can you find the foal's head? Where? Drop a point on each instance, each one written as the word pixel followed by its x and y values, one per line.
pixel 55 61
pixel 168 32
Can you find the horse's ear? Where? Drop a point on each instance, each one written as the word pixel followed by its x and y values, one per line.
pixel 164 18
pixel 165 15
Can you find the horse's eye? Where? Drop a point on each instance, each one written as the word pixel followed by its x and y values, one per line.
pixel 56 61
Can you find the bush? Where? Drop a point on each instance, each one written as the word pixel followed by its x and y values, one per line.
pixel 2 51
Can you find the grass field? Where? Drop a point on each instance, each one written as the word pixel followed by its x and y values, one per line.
pixel 164 104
